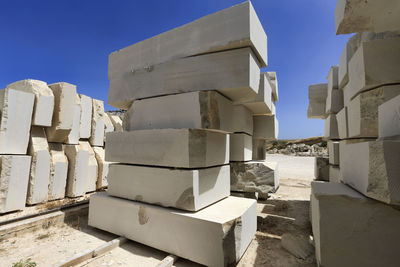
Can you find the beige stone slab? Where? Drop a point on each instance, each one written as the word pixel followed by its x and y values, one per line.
pixel 318 92
pixel 342 122
pixel 241 147
pixel 92 168
pixel 334 101
pixel 98 126
pixel 357 221
pixel 334 174
pixel 117 122
pixel 184 148
pixel 108 125
pixel 333 78
pixel 74 134
pixel 333 149
pixel 316 110
pixel 85 128
pixel 259 149
pixel 78 162
pixel 331 127
pixel 273 80
pixel 262 102
pixel 208 236
pixel 265 127
pixel 321 169
pixel 389 118
pixel 58 171
pixel 102 179
pixel 178 188
pixel 231 28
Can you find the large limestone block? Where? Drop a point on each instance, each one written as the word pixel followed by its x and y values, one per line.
pixel 262 102
pixel 318 92
pixel 230 28
pixel 240 147
pixel 178 188
pixel 64 112
pixel 102 178
pixel 234 73
pixel 16 109
pixel 78 163
pixel 185 148
pixel 373 169
pixel 273 80
pixel 208 236
pixel 321 169
pixel 39 177
pixel 316 110
pixel 58 171
pixel 333 148
pixel 108 125
pixel 363 110
pixel 14 177
pixel 389 118
pixel 98 127
pixel 194 110
pixel 259 149
pixel 333 78
pixel 317 96
pixel 342 122
pixel 331 127
pixel 352 230
pixel 375 63
pixel 117 122
pixel 361 16
pixel 92 168
pixel 44 100
pixel 85 127
pixel 334 101
pixel 73 137
pixel 255 176
pixel 334 174
pixel 265 127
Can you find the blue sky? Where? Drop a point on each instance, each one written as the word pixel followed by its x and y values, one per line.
pixel 70 41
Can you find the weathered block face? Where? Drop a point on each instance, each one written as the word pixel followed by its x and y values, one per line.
pixel 240 147
pixel 389 118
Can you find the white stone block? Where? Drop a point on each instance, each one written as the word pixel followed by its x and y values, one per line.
pixel 241 147
pixel 39 177
pixel 231 28
pixel 342 122
pixel 184 148
pixel 389 118
pixel 316 110
pixel 344 224
pixel 117 122
pixel 331 127
pixel 108 125
pixel 64 107
pixel 102 179
pixel 333 149
pixel 265 127
pixel 44 100
pixel 85 128
pixel 318 92
pixel 373 169
pixel 14 177
pixel 208 236
pixel 261 104
pixel 334 174
pixel 178 188
pixel 334 101
pixel 259 149
pixel 97 136
pixel 273 80
pixel 78 163
pixel 92 168
pixel 234 73
pixel 333 78
pixel 361 16
pixel 58 171
pixel 363 110
pixel 73 137
pixel 194 110
pixel 16 109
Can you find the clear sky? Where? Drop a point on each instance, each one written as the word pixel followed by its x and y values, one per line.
pixel 70 41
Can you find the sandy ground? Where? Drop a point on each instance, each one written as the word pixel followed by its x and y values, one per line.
pixel 287 211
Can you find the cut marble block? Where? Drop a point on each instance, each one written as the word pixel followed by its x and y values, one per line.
pixel 39 177
pixel 16 109
pixel 240 147
pixel 333 78
pixel 178 188
pixel 334 101
pixel 334 174
pixel 208 236
pixel 375 63
pixel 194 110
pixel 78 163
pixel 117 122
pixel 102 179
pixel 108 125
pixel 234 73
pixel 92 169
pixel 316 110
pixel 58 171
pixel 262 102
pixel 14 177
pixel 181 148
pixel 64 112
pixel 318 92
pixel 333 149
pixel 361 16
pixel 97 136
pixel 389 118
pixel 255 176
pixel 321 169
pixel 265 127
pixel 235 27
pixel 331 127
pixel 85 128
pixel 342 122
pixel 44 100
pixel 344 223
pixel 273 80
pixel 363 110
pixel 373 169
pixel 259 149
pixel 73 137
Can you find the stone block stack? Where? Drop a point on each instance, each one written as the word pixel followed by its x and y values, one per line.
pixel 43 152
pixel 355 216
pixel 185 92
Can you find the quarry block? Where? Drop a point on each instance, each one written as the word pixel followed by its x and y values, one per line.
pixel 208 236
pixel 181 148
pixel 98 126
pixel 265 127
pixel 317 97
pixel 73 137
pixel 316 110
pixel 343 126
pixel 273 80
pixel 331 127
pixel 44 100
pixel 389 118
pixel 334 101
pixel 333 148
pixel 183 189
pixel 58 171
pixel 108 125
pixel 240 147
pixel 321 171
pixel 333 79
pixel 16 109
pixel 334 174
pixel 103 167
pixel 318 92
pixel 85 127
pixel 261 104
pixel 78 163
pixel 92 168
pixel 14 177
pixel 117 122
pixel 259 149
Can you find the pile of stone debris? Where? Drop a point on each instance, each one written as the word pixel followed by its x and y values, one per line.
pixel 312 147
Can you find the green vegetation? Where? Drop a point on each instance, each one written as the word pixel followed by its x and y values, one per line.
pixel 26 263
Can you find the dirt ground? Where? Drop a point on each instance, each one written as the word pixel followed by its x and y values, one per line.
pixel 287 211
